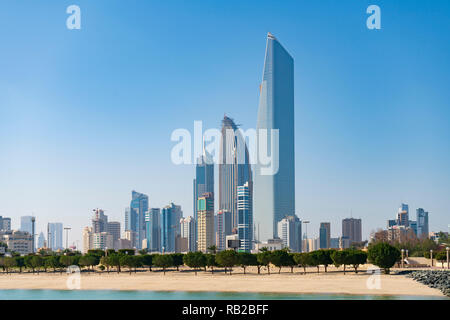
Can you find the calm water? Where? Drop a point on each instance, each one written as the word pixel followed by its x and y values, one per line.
pixel 166 295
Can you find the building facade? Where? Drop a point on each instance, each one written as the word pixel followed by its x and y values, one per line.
pixel 170 226
pixel 325 235
pixel 188 232
pixel 55 236
pixel 422 223
pixel 223 228
pixel 245 218
pixel 234 168
pixel 290 232
pixel 17 241
pixel 274 193
pixel 153 225
pixel 203 182
pixel 352 229
pixel 205 224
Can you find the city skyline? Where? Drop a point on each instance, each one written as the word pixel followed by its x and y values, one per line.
pixel 347 145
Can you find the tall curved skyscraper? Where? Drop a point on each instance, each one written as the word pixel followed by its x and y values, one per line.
pixel 234 168
pixel 274 195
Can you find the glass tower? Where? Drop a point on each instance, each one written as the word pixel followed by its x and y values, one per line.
pixel 138 208
pixel 203 183
pixel 245 218
pixel 274 195
pixel 234 168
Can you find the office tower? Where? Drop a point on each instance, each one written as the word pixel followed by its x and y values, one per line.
pixel 99 221
pixel 413 226
pixel 403 215
pixel 27 224
pixel 351 230
pixel 170 226
pixel 274 194
pixel 245 218
pixel 88 241
pixel 5 224
pixel 130 219
pixel 223 228
pixel 138 208
pixel 324 235
pixel 103 241
pixel 205 223
pixel 113 228
pixel 55 236
pixel 290 232
pixel 422 223
pixel 187 226
pixel 204 179
pixel 153 223
pixel 41 240
pixel 234 167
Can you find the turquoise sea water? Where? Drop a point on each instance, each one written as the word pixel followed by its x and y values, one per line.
pixel 166 295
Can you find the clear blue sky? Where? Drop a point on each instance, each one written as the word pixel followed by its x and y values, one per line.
pixel 86 115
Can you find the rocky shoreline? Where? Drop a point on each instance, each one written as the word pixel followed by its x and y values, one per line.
pixel 438 279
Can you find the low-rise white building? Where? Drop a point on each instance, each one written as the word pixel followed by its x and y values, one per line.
pixel 17 241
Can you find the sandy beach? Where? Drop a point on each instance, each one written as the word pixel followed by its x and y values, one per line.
pixel 333 282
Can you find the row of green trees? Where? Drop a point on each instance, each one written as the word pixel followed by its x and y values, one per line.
pixel 380 254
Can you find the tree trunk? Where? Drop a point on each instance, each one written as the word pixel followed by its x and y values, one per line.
pixel 317 269
pixel 326 268
pixel 292 269
pixel 244 270
pixel 344 268
pixel 279 270
pixel 259 269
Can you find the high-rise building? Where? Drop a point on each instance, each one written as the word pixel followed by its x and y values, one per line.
pixel 324 235
pixel 234 168
pixel 41 240
pixel 55 236
pixel 422 223
pixel 290 231
pixel 153 222
pixel 223 228
pixel 170 226
pixel 403 215
pixel 188 226
pixel 138 207
pixel 245 218
pixel 88 239
pixel 274 194
pixel 27 224
pixel 352 230
pixel 5 224
pixel 203 182
pixel 113 228
pixel 99 221
pixel 205 224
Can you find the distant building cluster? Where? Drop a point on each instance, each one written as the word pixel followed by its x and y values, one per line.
pixel 402 226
